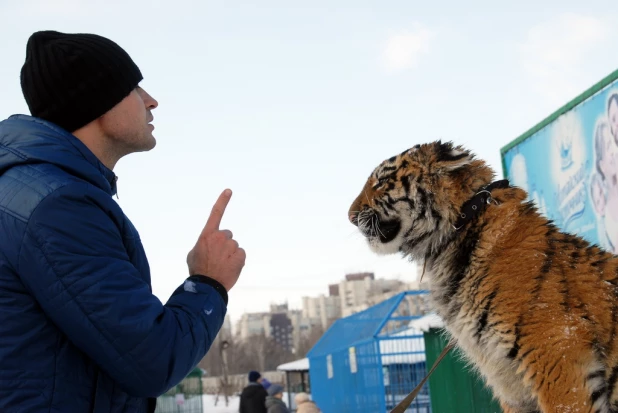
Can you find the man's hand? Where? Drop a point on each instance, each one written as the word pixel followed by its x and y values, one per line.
pixel 216 254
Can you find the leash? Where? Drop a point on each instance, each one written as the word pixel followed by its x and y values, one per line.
pixel 405 403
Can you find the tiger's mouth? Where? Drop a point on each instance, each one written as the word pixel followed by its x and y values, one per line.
pixel 373 227
pixel 388 230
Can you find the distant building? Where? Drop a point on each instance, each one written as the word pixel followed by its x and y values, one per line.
pixel 301 327
pixel 359 276
pixel 286 327
pixel 356 292
pixel 279 308
pixel 281 331
pixel 360 291
pixel 322 310
pixel 253 324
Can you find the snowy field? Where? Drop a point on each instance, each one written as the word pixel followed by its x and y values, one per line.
pixel 208 405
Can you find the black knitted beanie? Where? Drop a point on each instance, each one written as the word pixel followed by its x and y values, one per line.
pixel 72 79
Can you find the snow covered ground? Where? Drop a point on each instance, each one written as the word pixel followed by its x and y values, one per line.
pixel 208 404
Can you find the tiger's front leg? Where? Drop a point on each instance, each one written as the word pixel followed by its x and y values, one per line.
pixel 571 380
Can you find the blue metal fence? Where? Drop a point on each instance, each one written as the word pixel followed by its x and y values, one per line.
pixel 369 361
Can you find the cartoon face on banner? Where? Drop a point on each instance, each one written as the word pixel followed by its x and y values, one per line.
pixel 569 169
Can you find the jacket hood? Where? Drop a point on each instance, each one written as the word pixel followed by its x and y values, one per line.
pixel 28 140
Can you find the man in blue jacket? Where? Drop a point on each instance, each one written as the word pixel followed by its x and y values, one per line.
pixel 80 330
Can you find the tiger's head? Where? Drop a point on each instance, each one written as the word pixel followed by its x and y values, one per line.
pixel 411 201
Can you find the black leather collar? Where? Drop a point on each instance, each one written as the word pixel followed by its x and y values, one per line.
pixel 478 202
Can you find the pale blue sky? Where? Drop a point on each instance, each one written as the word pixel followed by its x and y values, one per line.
pixel 292 104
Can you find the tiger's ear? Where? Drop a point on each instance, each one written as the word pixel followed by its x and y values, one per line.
pixel 450 158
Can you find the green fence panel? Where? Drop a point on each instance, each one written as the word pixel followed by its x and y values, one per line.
pixel 454 387
pixel 186 397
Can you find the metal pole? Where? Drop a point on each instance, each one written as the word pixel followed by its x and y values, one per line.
pixel 224 345
pixel 287 384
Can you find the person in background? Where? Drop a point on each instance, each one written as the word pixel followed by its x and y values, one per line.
pixel 304 404
pixel 274 401
pixel 253 396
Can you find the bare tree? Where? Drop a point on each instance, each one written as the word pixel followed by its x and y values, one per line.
pixel 257 353
pixel 277 355
pixel 309 341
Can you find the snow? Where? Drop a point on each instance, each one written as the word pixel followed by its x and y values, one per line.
pixel 427 322
pixel 298 365
pixel 402 358
pixel 168 404
pixel 208 401
pixel 405 350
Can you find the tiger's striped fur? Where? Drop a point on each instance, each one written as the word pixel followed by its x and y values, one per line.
pixel 534 309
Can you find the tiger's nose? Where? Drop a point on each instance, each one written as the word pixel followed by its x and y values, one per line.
pixel 353 219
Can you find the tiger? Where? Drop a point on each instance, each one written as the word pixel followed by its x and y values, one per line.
pixel 532 308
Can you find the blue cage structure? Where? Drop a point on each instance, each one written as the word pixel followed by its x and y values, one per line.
pixel 371 360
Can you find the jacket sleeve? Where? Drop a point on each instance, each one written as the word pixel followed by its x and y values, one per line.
pixel 74 262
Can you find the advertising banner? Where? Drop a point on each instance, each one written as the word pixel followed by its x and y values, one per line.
pixel 568 164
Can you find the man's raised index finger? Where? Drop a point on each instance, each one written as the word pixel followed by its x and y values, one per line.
pixel 214 220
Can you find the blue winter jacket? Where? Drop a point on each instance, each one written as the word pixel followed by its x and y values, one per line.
pixel 80 330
